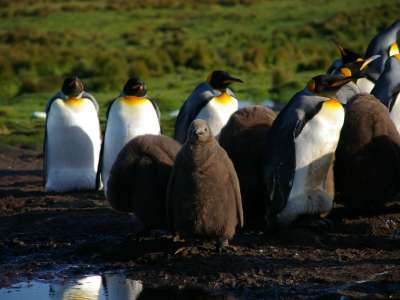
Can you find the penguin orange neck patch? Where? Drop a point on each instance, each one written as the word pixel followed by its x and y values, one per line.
pixel 74 101
pixel 332 104
pixel 133 100
pixel 224 98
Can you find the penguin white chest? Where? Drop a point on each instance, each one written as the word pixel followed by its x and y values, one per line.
pixel 314 153
pixel 72 146
pixel 395 112
pixel 218 111
pixel 365 85
pixel 126 121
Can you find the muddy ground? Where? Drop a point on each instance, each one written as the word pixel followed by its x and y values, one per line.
pixel 358 258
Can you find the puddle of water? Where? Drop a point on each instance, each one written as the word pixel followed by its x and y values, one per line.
pixel 92 287
pixel 96 287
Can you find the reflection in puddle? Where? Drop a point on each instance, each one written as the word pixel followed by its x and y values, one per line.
pixel 106 287
pixel 95 287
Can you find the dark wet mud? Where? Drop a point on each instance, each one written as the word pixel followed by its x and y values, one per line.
pixel 42 235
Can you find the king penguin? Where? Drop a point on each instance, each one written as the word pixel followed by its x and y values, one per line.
pixel 129 115
pixel 387 88
pixel 211 101
pixel 72 139
pixel 384 44
pixel 302 142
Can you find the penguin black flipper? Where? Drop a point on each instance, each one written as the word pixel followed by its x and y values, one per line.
pixel 202 94
pixel 58 95
pixel 388 85
pixel 99 166
pixel 281 156
pixel 380 45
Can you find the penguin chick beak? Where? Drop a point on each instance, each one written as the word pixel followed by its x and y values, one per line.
pixel 366 62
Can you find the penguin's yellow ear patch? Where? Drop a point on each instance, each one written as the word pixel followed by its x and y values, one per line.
pixel 332 104
pixel 73 101
pixel 133 100
pixel 346 72
pixel 397 56
pixel 394 49
pixel 224 98
pixel 311 85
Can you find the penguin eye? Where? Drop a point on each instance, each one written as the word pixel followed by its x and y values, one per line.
pixel 311 85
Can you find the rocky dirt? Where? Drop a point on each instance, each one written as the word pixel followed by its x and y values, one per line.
pixel 357 259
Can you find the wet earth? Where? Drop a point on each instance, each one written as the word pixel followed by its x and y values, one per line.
pixel 45 237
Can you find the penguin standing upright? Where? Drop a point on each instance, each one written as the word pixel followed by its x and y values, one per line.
pixel 243 138
pixel 387 88
pixel 129 115
pixel 203 196
pixel 139 177
pixel 72 139
pixel 302 143
pixel 212 101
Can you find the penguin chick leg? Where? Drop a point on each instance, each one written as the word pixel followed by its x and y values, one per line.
pixel 221 245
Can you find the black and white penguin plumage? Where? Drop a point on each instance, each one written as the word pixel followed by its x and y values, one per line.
pixel 131 114
pixel 211 101
pixel 384 44
pixel 347 56
pixel 359 70
pixel 387 88
pixel 72 139
pixel 302 143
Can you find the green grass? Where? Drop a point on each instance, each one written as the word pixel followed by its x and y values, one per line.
pixel 274 46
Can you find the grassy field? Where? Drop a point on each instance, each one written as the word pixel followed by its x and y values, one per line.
pixel 274 46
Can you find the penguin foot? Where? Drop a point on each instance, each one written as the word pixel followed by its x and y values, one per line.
pixel 395 235
pixel 222 245
pixel 314 223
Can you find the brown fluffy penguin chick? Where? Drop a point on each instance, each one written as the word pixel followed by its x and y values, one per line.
pixel 367 166
pixel 139 178
pixel 244 138
pixel 203 191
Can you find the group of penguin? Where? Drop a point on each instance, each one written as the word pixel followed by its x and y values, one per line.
pixel 338 138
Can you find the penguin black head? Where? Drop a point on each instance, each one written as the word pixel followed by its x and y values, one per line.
pixel 348 56
pixel 199 131
pixel 327 85
pixel 220 80
pixel 72 86
pixel 135 87
pixel 357 68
